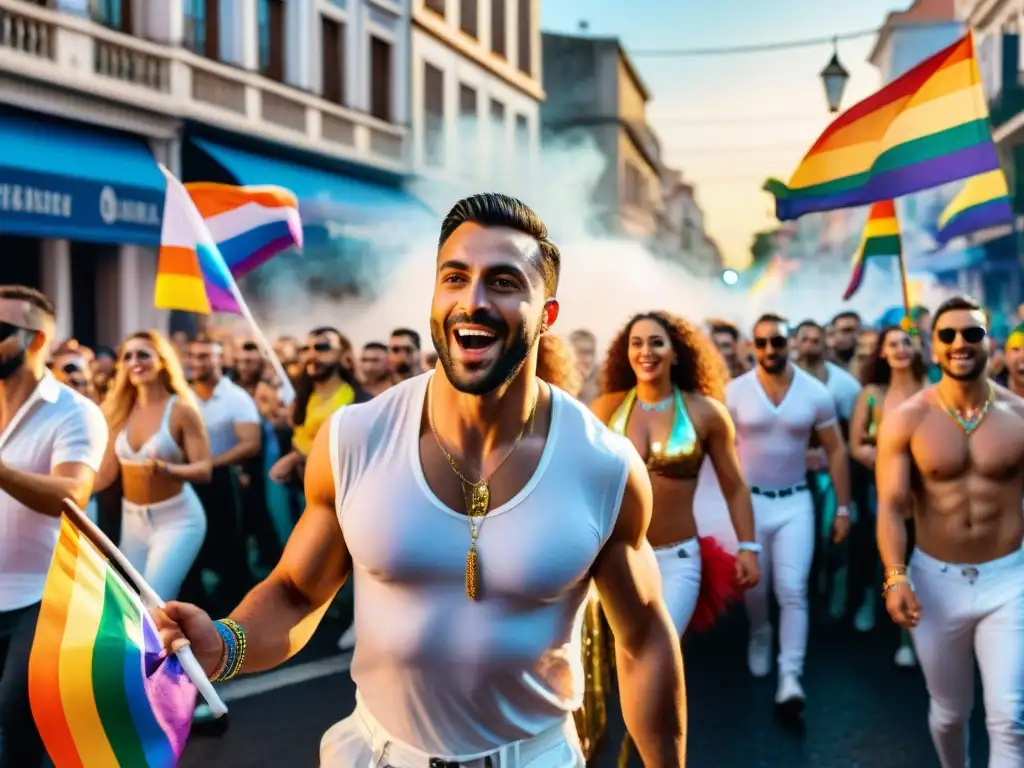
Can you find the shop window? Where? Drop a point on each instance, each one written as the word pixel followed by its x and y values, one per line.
pixel 333 53
pixel 270 18
pixel 202 27
pixel 498 44
pixel 381 74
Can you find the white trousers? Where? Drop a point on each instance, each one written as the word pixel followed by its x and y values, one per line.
pixel 785 530
pixel 680 580
pixel 968 612
pixel 359 741
pixel 163 540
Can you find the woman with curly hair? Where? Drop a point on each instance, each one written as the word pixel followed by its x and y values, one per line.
pixel 893 373
pixel 663 384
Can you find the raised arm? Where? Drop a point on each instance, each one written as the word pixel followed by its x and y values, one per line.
pixel 647 650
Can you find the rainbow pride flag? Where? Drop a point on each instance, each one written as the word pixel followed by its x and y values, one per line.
pixel 983 202
pixel 249 224
pixel 881 238
pixel 191 274
pixel 928 127
pixel 102 692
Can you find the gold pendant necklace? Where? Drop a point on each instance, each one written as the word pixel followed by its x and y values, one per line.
pixel 477 494
pixel 968 425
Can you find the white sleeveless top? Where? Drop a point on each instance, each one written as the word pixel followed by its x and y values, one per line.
pixel 442 673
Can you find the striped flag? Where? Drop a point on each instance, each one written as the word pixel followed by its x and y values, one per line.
pixel 881 238
pixel 982 203
pixel 102 691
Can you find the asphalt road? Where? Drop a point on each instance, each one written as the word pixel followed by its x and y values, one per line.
pixel 862 712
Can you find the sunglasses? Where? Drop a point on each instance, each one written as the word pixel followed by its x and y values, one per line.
pixel 972 334
pixel 141 355
pixel 776 342
pixel 71 369
pixel 250 346
pixel 321 346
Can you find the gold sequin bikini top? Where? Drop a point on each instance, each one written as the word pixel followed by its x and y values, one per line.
pixel 874 420
pixel 681 455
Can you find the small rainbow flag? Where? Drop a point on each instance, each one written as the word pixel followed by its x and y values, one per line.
pixel 102 692
pixel 928 127
pixel 249 224
pixel 881 237
pixel 983 202
pixel 191 274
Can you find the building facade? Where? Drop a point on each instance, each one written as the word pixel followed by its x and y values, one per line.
pixel 682 237
pixel 312 95
pixel 597 102
pixel 475 97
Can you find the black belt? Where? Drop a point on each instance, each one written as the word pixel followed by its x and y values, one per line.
pixel 779 493
pixel 437 762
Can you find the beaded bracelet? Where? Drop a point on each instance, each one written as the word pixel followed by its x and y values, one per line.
pixel 892 582
pixel 233 658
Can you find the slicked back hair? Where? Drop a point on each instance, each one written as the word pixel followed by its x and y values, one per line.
pixel 493 209
pixel 952 304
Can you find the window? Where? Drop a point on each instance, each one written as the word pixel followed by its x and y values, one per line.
pixel 498 27
pixel 498 148
pixel 270 18
pixel 202 27
pixel 525 51
pixel 437 6
pixel 468 17
pixel 523 154
pixel 115 14
pixel 380 78
pixel 333 52
pixel 433 116
pixel 468 142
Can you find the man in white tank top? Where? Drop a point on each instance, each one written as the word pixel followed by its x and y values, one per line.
pixel 468 626
pixel 776 408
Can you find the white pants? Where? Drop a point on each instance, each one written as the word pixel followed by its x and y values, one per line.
pixel 359 741
pixel 162 540
pixel 968 612
pixel 785 530
pixel 680 580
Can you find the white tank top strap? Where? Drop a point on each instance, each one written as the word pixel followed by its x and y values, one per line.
pixel 160 445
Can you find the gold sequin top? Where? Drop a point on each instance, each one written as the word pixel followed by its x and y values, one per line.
pixel 874 420
pixel 682 453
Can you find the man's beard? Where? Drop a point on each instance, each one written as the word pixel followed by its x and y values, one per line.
pixel 977 370
pixel 846 355
pixel 318 373
pixel 502 370
pixel 812 358
pixel 773 366
pixel 403 368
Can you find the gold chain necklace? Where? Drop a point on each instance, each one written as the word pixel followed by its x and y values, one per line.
pixel 477 494
pixel 966 424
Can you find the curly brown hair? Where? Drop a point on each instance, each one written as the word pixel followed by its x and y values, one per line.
pixel 699 367
pixel 556 364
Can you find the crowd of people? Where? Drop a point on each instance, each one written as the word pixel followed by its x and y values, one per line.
pixel 397 466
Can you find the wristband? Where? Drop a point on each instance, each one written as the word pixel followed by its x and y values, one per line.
pixel 843 512
pixel 749 546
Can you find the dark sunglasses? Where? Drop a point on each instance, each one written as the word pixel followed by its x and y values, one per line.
pixel 972 334
pixel 321 346
pixel 71 369
pixel 777 342
pixel 250 346
pixel 141 355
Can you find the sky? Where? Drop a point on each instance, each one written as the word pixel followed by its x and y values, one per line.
pixel 728 122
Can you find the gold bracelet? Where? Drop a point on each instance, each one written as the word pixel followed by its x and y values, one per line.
pixel 896 570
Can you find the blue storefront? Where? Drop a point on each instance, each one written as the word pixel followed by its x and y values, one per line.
pixel 80 212
pixel 358 221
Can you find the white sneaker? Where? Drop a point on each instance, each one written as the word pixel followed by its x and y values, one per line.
pixel 347 641
pixel 759 653
pixel 790 695
pixel 905 657
pixel 864 619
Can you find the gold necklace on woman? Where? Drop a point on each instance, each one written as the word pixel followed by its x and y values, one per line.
pixel 477 494
pixel 972 419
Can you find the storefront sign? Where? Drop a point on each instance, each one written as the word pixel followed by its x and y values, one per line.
pixel 45 205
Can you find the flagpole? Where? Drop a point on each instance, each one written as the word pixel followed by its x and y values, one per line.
pixel 149 599
pixel 286 392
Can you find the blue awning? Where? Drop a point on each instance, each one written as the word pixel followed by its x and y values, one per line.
pixel 75 182
pixel 325 197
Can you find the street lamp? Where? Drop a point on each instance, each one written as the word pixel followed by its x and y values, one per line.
pixel 834 76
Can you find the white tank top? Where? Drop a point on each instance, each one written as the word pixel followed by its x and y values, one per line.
pixel 442 673
pixel 772 439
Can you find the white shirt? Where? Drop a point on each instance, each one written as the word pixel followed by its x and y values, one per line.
pixel 228 405
pixel 772 440
pixel 844 389
pixel 56 425
pixel 442 673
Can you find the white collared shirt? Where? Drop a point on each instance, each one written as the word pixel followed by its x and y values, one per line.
pixel 228 405
pixel 56 425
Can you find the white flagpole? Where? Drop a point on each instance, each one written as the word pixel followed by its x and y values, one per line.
pixel 149 598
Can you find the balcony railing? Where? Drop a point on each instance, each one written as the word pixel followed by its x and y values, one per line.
pixel 79 54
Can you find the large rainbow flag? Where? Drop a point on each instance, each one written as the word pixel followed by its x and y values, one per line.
pixel 881 238
pixel 102 693
pixel 983 202
pixel 191 274
pixel 928 127
pixel 249 224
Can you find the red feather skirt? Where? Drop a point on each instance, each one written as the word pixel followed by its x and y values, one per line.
pixel 718 587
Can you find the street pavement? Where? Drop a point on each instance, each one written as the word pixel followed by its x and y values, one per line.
pixel 862 712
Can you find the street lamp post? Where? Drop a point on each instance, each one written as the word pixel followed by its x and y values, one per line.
pixel 834 76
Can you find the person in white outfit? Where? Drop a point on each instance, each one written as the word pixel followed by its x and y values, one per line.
pixel 663 385
pixel 953 455
pixel 472 506
pixel 776 408
pixel 159 445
